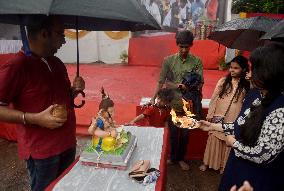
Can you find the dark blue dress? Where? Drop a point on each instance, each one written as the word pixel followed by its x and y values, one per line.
pixel 262 165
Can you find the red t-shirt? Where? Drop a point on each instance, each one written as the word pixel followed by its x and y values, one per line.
pixel 28 83
pixel 156 116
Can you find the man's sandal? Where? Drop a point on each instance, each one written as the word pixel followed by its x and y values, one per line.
pixel 140 176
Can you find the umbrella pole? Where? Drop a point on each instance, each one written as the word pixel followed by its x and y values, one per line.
pixel 77 42
pixel 77 72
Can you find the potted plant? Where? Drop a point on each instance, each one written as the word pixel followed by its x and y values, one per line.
pixel 123 56
pixel 257 6
pixel 222 64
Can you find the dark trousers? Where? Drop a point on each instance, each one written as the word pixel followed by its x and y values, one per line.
pixel 195 97
pixel 179 140
pixel 44 171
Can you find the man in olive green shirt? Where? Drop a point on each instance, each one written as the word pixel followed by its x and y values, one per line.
pixel 174 68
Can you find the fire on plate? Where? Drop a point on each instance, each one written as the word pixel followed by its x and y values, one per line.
pixel 185 121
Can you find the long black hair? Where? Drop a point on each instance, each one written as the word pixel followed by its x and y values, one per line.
pixel 267 74
pixel 166 95
pixel 227 86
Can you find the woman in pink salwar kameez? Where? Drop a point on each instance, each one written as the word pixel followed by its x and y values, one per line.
pixel 225 106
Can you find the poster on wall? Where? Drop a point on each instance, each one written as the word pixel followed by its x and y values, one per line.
pixel 199 16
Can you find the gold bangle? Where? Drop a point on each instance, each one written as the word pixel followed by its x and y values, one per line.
pixel 24 118
pixel 109 134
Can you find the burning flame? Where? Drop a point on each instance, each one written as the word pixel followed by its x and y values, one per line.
pixel 185 121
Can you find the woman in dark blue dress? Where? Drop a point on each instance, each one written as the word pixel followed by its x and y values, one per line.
pixel 257 136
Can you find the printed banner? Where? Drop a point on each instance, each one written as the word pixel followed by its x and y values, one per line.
pixel 199 16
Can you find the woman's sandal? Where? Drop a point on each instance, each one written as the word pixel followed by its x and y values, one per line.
pixel 141 165
pixel 139 170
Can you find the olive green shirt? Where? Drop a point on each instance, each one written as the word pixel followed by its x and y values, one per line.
pixel 174 68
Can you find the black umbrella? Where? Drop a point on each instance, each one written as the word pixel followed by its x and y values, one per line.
pixel 243 34
pixel 276 33
pixel 97 15
pixel 93 15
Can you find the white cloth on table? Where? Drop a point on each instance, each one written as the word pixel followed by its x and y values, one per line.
pixel 89 178
pixel 146 100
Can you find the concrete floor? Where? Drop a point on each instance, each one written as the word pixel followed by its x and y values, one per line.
pixel 14 177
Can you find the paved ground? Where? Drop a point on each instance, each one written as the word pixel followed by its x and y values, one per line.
pixel 14 177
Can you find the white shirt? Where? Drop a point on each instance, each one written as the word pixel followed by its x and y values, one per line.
pixel 155 12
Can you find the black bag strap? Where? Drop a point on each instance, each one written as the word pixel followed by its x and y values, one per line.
pixel 231 102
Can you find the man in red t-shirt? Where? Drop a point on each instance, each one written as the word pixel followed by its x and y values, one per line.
pixel 158 114
pixel 36 85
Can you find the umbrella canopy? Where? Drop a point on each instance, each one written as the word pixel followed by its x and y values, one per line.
pixel 243 34
pixel 276 32
pixel 93 15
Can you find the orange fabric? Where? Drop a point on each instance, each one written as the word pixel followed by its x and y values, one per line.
pixel 150 51
pixel 209 52
pixel 212 8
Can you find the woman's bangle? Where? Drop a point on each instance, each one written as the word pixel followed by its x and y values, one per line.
pixel 24 118
pixel 109 134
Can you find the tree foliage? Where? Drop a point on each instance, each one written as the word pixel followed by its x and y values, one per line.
pixel 258 6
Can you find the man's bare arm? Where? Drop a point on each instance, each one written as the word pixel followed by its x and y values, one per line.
pixel 43 118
